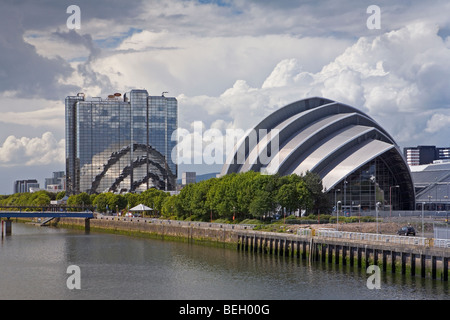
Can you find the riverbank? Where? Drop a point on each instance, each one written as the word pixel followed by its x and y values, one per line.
pixel 196 232
pixel 221 232
pixel 397 255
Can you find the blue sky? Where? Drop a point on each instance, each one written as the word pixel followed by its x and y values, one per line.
pixel 228 62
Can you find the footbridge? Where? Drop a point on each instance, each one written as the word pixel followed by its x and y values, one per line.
pixel 49 213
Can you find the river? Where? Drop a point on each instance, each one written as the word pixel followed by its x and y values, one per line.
pixel 34 264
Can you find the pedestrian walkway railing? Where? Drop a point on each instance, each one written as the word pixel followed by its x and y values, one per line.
pixel 373 237
pixel 304 232
pixel 442 243
pixel 204 224
pixel 240 226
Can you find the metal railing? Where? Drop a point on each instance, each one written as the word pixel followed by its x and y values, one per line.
pixel 204 224
pixel 181 223
pixel 418 241
pixel 441 243
pixel 372 237
pixel 304 232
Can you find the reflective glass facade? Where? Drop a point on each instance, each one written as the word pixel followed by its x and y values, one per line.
pixel 120 144
pixel 371 184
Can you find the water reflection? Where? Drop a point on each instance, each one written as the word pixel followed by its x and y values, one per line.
pixel 34 260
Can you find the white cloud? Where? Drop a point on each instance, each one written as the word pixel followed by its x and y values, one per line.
pixel 186 63
pixel 230 66
pixel 401 78
pixel 438 123
pixel 51 115
pixel 32 151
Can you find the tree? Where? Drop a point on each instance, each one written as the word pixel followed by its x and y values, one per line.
pixel 169 206
pixel 41 199
pixel 221 197
pixel 183 201
pixel 261 204
pixel 304 198
pixel 60 195
pixel 80 200
pixel 101 202
pixel 149 198
pixel 159 200
pixel 287 197
pixel 200 203
pixel 244 189
pixel 320 201
pixel 132 199
pixel 116 202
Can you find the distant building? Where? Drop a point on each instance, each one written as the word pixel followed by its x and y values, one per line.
pixel 21 186
pixel 57 182
pixel 420 155
pixel 120 144
pixel 188 177
pixel 432 185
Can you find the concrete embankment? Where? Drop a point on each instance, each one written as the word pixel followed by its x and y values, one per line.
pixel 424 260
pixel 173 230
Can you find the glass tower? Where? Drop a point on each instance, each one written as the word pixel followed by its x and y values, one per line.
pixel 120 144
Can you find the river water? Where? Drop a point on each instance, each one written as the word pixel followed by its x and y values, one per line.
pixel 34 264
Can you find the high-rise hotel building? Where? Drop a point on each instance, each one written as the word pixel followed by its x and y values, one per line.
pixel 120 144
pixel 425 154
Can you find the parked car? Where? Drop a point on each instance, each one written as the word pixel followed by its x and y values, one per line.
pixel 406 231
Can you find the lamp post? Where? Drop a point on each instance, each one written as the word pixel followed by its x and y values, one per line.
pixel 376 209
pixel 337 214
pixel 429 203
pixel 423 205
pixel 345 195
pixel 335 200
pixel 373 179
pixel 390 199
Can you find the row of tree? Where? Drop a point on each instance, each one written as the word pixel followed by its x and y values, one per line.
pixel 231 197
pixel 250 195
pixel 40 198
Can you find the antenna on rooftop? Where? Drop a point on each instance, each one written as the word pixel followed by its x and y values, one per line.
pixel 164 93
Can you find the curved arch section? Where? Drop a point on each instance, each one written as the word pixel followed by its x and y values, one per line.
pixel 352 160
pixel 328 149
pixel 241 150
pixel 298 125
pixel 296 148
pixel 299 148
pixel 149 156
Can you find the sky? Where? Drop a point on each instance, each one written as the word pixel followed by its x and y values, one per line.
pixel 229 63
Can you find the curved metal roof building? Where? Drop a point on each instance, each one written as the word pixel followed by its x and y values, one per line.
pixel 359 162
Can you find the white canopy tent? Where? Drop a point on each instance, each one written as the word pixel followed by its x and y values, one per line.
pixel 141 207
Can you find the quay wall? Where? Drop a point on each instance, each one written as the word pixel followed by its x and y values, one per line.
pixel 425 261
pixel 167 230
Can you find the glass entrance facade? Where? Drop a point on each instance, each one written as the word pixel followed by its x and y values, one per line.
pixel 374 183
